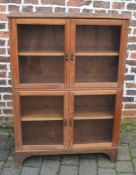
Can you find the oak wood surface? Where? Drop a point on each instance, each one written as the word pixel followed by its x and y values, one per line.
pixel 67 76
pixel 41 53
pixel 67 15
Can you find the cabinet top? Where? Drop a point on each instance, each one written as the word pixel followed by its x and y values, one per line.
pixel 67 15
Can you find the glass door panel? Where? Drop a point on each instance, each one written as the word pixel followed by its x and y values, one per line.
pixel 42 108
pixel 40 38
pixel 42 133
pixel 90 38
pixel 45 69
pixel 92 131
pixel 96 69
pixel 42 54
pixel 95 53
pixel 94 106
pixel 92 114
pixel 42 120
pixel 42 116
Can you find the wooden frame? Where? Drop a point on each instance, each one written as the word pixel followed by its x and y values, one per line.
pixel 17 54
pixel 116 122
pixel 70 89
pixel 120 54
pixel 19 145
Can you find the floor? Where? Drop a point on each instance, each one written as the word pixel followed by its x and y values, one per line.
pixel 89 164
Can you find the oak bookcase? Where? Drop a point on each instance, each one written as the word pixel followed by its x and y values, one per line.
pixel 67 74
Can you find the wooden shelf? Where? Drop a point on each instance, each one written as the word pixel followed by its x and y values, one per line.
pixel 83 115
pixel 42 115
pixel 97 53
pixel 41 53
pixel 99 144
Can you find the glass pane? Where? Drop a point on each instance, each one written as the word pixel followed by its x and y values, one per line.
pixel 92 131
pixel 94 106
pixel 42 107
pixel 42 133
pixel 41 37
pixel 96 69
pixel 41 69
pixel 97 38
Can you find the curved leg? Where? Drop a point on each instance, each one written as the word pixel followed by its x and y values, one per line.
pixel 113 154
pixel 20 157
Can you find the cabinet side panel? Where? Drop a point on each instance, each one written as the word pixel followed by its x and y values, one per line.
pixel 122 53
pixel 117 118
pixel 13 39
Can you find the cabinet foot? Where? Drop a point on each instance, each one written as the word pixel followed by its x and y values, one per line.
pixel 21 156
pixel 113 154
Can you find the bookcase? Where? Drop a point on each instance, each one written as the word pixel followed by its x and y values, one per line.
pixel 67 77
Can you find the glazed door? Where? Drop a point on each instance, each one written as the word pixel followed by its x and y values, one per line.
pixel 40 53
pixel 97 53
pixel 94 116
pixel 41 118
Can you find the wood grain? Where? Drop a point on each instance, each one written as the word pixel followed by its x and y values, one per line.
pixel 67 75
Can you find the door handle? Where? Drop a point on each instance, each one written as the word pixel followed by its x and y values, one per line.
pixel 66 57
pixel 72 57
pixel 70 122
pixel 65 122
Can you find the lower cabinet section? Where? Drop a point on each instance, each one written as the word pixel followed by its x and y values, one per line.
pixel 67 121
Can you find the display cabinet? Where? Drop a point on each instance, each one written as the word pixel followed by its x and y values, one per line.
pixel 67 77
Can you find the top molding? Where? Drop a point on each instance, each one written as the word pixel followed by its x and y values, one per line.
pixel 67 15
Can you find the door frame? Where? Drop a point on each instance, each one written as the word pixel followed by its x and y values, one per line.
pixel 17 120
pixel 15 52
pixel 121 56
pixel 116 119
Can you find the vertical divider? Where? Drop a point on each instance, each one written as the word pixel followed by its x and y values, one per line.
pixel 67 52
pixel 72 53
pixel 71 118
pixel 65 132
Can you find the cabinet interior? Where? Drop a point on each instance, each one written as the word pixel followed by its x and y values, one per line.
pixel 97 38
pixel 42 132
pixel 94 107
pixel 96 69
pixel 92 131
pixel 36 108
pixel 40 38
pixel 45 69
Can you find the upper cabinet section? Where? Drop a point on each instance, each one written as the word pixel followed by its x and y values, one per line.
pixel 68 53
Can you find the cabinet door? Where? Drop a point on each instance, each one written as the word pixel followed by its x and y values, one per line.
pixel 40 120
pixel 95 118
pixel 40 51
pixel 98 50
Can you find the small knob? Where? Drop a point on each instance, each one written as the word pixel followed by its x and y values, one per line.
pixel 66 57
pixel 72 57
pixel 65 122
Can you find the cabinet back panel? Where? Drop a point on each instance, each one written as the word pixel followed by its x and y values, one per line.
pixel 49 103
pixel 41 69
pixel 97 38
pixel 40 37
pixel 92 131
pixel 95 103
pixel 42 133
pixel 96 69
